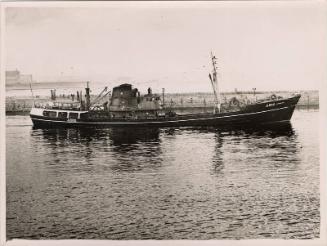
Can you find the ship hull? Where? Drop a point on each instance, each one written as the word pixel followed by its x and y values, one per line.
pixel 269 112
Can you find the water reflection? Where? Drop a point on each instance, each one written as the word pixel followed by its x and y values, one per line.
pixel 135 149
pixel 270 131
pixel 129 149
pixel 217 160
pixel 276 143
pixel 117 137
pixel 272 147
pixel 168 183
pixel 130 136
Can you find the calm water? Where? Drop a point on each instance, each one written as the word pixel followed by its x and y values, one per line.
pixel 163 183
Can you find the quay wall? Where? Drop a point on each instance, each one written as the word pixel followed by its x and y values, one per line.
pixel 181 103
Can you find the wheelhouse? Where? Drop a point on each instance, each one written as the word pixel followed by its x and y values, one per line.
pixel 58 114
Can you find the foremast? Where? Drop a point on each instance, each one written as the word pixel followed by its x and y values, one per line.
pixel 214 82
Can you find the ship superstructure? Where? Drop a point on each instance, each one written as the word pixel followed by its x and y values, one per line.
pixel 126 106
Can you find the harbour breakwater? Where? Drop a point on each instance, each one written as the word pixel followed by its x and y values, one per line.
pixel 181 102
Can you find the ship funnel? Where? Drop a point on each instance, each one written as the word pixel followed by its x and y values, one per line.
pixel 87 96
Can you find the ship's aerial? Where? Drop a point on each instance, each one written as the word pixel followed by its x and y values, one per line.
pixel 129 108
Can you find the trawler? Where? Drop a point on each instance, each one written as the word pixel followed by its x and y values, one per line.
pixel 128 108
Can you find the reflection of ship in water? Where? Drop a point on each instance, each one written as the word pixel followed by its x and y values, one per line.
pixel 281 146
pixel 125 149
pixel 217 160
pixel 276 143
pixel 117 136
pixel 133 149
pixel 128 136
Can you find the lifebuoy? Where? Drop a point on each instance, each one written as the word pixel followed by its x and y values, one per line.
pixel 273 97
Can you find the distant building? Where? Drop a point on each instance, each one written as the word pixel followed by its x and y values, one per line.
pixel 15 77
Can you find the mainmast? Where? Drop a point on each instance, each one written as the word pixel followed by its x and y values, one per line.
pixel 214 83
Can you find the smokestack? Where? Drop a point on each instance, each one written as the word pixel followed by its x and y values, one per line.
pixel 87 96
pixel 53 94
pixel 163 97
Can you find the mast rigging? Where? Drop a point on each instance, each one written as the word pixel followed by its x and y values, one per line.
pixel 214 83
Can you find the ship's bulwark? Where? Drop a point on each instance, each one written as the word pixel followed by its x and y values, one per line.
pixel 257 114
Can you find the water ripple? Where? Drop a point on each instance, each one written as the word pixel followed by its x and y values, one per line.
pixel 182 183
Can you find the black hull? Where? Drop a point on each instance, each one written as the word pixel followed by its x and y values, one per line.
pixel 257 114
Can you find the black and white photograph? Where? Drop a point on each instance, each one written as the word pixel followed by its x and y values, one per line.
pixel 162 121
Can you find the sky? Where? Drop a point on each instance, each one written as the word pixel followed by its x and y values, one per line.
pixel 262 45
